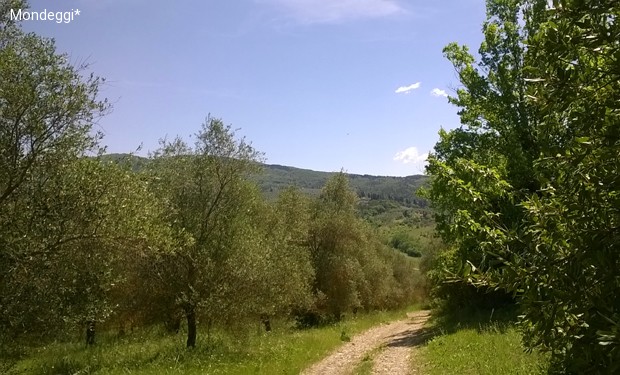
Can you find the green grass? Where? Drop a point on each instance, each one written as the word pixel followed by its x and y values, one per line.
pixel 282 351
pixel 365 366
pixel 475 344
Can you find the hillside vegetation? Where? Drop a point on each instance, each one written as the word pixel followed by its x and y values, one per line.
pixel 274 178
pixel 390 204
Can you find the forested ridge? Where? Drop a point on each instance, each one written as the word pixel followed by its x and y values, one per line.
pixel 274 178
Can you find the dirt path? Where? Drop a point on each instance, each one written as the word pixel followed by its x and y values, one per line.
pixel 397 340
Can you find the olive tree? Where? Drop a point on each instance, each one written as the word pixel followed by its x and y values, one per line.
pixel 65 218
pixel 209 201
pixel 283 284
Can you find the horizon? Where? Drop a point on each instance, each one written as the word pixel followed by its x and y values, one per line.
pixel 266 163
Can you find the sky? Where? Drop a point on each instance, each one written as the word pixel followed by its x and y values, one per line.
pixel 329 85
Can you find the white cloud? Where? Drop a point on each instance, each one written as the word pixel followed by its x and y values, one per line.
pixel 439 92
pixel 410 156
pixel 407 89
pixel 334 11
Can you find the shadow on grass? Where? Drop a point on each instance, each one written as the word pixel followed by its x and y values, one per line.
pixel 446 321
pixel 450 320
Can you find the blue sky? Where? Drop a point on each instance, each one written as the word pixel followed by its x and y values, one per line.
pixel 319 84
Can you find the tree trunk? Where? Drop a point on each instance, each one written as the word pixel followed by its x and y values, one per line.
pixel 90 332
pixel 266 322
pixel 190 312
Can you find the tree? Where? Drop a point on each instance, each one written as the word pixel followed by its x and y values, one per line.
pixel 569 275
pixel 65 219
pixel 286 270
pixel 335 243
pixel 353 269
pixel 7 25
pixel 531 206
pixel 81 226
pixel 46 113
pixel 209 201
pixel 484 170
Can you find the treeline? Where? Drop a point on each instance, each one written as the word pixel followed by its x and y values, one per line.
pixel 527 190
pixel 405 201
pixel 275 178
pixel 400 189
pixel 189 237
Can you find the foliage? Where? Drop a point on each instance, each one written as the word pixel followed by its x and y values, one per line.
pixel 210 212
pixel 404 242
pixel 570 282
pixel 63 219
pixel 484 169
pixel 396 189
pixel 353 269
pixel 527 191
pixel 115 242
pixel 81 227
pixel 286 273
pixel 387 192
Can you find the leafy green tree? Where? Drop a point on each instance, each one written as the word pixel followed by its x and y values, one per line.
pixel 210 201
pixel 530 206
pixel 47 109
pixel 405 243
pixel 84 224
pixel 353 269
pixel 570 274
pixel 485 168
pixel 335 243
pixel 7 25
pixel 287 273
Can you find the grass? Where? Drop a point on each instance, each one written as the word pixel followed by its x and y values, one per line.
pixel 365 366
pixel 283 351
pixel 478 343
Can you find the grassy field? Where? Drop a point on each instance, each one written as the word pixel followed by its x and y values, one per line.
pixel 285 350
pixel 474 343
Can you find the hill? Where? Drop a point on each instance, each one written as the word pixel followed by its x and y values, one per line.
pixel 400 190
pixel 368 187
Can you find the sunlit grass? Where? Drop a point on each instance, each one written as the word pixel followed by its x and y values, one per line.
pixel 480 347
pixel 285 350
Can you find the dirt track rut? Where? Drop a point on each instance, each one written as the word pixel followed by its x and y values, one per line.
pixel 395 342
